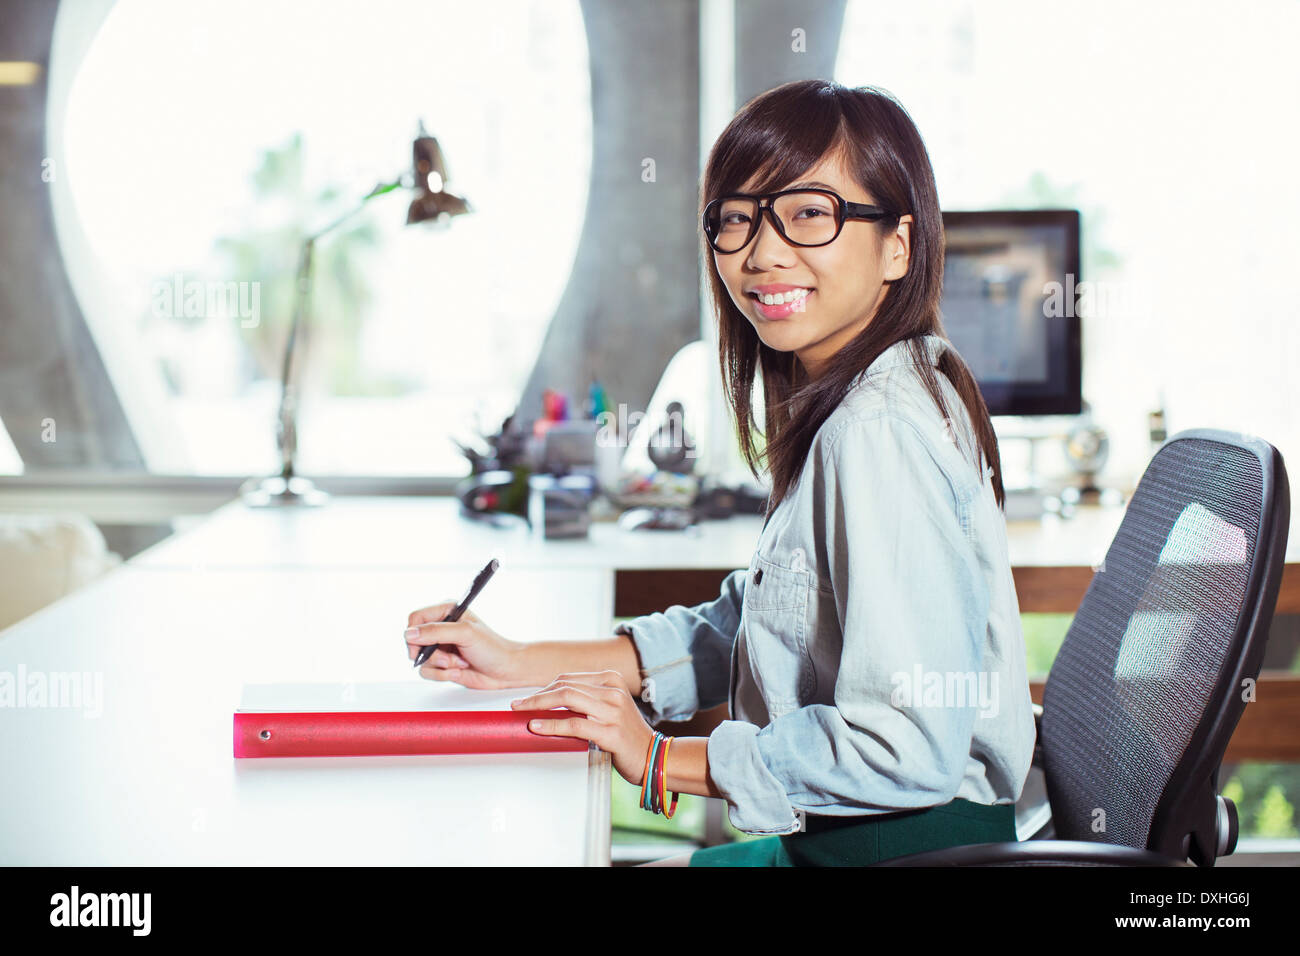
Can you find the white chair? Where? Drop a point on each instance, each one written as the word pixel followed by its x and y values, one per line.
pixel 45 556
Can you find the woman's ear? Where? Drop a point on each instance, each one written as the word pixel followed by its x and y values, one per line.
pixel 898 250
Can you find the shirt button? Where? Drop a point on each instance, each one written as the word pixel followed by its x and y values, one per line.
pixel 758 576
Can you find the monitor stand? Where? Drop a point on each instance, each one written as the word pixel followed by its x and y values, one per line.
pixel 1032 499
pixel 1030 504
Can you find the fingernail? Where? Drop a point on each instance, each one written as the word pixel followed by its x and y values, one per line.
pixel 534 724
pixel 515 703
pixel 412 632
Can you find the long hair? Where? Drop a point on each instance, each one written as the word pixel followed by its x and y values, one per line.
pixel 780 135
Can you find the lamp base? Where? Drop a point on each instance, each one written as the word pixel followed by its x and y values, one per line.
pixel 279 492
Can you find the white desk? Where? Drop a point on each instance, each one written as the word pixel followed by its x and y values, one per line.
pixel 1053 556
pixel 152 779
pixel 253 595
pixel 322 595
pixel 428 532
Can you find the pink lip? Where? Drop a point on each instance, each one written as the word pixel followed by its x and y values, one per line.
pixel 786 309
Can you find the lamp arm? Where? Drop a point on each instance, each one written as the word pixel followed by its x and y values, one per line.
pixel 379 190
pixel 287 430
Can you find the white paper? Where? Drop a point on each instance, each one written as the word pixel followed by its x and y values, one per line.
pixel 416 695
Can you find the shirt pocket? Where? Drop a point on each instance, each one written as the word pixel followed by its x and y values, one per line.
pixel 775 613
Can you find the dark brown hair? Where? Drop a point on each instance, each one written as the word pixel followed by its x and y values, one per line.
pixel 781 134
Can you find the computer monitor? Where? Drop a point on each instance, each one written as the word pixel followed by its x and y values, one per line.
pixel 1010 306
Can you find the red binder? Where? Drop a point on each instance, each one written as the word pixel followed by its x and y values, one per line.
pixel 353 720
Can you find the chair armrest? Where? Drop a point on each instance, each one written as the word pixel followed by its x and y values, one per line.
pixel 1036 853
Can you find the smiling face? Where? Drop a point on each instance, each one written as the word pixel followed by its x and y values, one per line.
pixel 848 278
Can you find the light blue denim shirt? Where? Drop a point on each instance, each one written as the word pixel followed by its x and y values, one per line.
pixel 871 653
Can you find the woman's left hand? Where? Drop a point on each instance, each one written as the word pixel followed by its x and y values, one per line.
pixel 610 718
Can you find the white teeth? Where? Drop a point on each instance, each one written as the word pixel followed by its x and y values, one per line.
pixel 783 297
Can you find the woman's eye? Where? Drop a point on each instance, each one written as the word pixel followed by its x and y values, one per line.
pixel 813 210
pixel 735 219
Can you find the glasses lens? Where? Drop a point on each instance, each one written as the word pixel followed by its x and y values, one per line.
pixel 728 223
pixel 808 218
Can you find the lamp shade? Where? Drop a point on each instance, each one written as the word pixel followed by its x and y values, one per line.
pixel 432 202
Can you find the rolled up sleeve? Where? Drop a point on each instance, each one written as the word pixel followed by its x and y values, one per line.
pixel 911 603
pixel 685 653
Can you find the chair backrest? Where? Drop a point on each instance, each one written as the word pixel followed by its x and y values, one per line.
pixel 1152 678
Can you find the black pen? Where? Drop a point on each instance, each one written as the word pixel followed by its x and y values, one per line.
pixel 459 609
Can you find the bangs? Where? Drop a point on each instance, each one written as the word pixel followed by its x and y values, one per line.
pixel 777 144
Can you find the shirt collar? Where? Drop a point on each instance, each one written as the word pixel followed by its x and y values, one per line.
pixel 900 353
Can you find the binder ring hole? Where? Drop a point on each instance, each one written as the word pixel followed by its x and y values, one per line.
pixel 265 735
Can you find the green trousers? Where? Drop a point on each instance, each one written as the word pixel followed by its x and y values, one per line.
pixel 879 837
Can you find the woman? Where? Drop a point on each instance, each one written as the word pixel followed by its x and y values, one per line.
pixel 871 654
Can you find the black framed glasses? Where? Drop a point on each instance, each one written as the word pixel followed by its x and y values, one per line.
pixel 803 217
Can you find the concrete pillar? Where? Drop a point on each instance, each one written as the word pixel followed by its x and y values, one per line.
pixel 632 298
pixel 770 52
pixel 50 367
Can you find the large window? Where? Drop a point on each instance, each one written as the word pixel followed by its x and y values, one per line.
pixel 1170 129
pixel 201 140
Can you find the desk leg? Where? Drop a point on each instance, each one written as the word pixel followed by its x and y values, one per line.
pixel 599 782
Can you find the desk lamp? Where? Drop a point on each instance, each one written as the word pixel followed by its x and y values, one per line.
pixel 431 204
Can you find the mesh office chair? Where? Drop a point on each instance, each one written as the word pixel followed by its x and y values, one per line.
pixel 1153 675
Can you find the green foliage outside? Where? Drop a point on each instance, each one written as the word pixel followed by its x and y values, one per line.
pixel 268 252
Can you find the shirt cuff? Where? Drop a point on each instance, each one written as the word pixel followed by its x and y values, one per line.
pixel 757 801
pixel 668 689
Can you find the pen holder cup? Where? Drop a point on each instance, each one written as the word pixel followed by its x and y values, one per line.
pixel 558 507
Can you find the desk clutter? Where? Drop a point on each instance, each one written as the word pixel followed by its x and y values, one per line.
pixel 558 474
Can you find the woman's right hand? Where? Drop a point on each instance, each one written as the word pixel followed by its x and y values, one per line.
pixel 481 658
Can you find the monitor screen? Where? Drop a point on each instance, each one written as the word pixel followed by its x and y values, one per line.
pixel 1010 306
